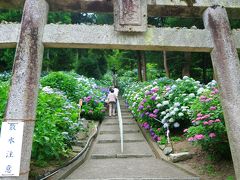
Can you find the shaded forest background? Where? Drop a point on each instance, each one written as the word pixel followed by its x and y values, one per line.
pixel 146 65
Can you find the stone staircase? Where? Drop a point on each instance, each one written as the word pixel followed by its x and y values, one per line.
pixel 136 162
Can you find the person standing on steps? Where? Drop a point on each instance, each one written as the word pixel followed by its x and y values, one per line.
pixel 112 99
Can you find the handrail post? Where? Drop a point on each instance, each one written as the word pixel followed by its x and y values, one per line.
pixel 120 124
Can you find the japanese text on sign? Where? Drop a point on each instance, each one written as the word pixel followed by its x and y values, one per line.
pixel 11 147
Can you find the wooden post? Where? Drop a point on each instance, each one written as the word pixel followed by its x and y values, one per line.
pixel 23 94
pixel 227 69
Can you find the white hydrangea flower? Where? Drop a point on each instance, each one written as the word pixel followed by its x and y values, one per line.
pixel 159 105
pixel 171 120
pixel 200 90
pixel 154 83
pixel 185 77
pixel 165 125
pixel 176 109
pixel 180 114
pixel 191 95
pixel 185 99
pixel 176 124
pixel 172 113
pixel 48 90
pixel 178 80
pixel 176 104
pixel 163 113
pixel 158 97
pixel 165 103
pixel 173 87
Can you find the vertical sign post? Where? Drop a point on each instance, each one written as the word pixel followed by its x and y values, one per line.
pixel 11 147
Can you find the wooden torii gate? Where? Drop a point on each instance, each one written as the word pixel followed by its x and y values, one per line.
pixel 130 31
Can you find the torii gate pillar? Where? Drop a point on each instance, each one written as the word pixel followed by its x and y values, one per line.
pixel 227 69
pixel 23 94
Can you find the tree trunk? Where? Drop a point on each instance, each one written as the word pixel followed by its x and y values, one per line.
pixel 166 64
pixel 186 64
pixel 143 65
pixel 139 66
pixel 204 68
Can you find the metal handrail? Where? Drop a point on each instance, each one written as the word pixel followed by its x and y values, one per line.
pixel 120 124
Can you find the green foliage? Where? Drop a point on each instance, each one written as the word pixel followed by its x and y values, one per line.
pixel 10 15
pixel 92 64
pixel 56 125
pixel 63 82
pixel 4 87
pixel 59 17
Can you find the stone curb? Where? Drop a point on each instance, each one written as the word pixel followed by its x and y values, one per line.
pixel 66 171
pixel 159 153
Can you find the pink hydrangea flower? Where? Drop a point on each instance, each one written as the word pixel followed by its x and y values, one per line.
pixel 199 136
pixel 212 135
pixel 199 115
pixel 217 120
pixel 212 108
pixel 210 122
pixel 185 130
pixel 199 118
pixel 205 123
pixel 168 88
pixel 191 139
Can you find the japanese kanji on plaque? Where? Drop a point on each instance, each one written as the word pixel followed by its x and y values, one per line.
pixel 11 146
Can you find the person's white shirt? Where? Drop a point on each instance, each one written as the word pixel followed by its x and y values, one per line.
pixel 116 91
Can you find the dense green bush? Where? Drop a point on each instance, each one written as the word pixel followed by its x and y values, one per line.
pixel 4 87
pixel 56 125
pixel 63 82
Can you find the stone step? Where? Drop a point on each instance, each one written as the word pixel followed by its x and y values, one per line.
pixel 118 141
pixel 116 123
pixel 116 120
pixel 116 127
pixel 107 156
pixel 118 132
pixel 130 136
pixel 128 148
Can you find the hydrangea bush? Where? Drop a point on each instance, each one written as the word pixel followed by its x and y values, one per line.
pixel 57 120
pixel 164 106
pixel 208 127
pixel 78 87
